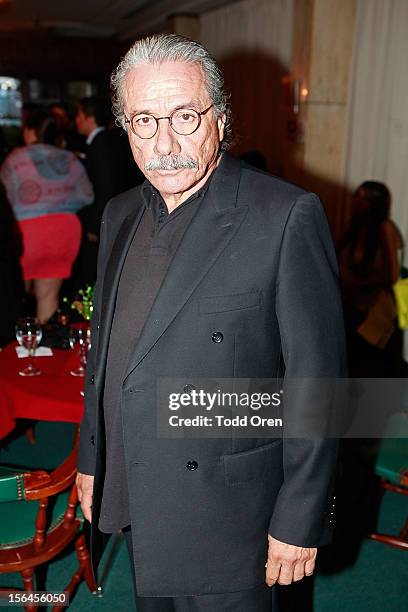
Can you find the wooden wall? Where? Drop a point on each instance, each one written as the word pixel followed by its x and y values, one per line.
pixel 259 43
pixel 331 31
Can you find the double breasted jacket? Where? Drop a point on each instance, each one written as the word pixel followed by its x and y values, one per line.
pixel 256 266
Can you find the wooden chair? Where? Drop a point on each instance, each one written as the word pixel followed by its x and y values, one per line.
pixel 392 468
pixel 39 517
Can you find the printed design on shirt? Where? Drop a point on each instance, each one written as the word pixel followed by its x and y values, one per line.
pixel 29 192
pixel 59 164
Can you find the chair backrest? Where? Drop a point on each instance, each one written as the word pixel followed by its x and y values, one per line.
pixel 392 460
pixel 26 487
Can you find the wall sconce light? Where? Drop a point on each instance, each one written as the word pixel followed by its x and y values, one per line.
pixel 299 95
pixel 295 93
pixel 304 92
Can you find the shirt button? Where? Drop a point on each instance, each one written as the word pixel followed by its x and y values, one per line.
pixel 191 465
pixel 188 388
pixel 92 380
pixel 217 337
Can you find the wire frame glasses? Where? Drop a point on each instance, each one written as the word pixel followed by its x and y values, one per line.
pixel 183 121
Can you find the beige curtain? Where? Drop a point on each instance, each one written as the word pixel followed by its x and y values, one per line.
pixel 377 140
pixel 377 131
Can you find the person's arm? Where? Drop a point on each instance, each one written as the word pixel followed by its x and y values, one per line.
pixel 390 244
pixel 87 449
pixel 84 190
pixel 9 180
pixel 309 313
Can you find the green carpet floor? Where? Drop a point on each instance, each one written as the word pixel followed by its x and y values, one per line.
pixel 377 582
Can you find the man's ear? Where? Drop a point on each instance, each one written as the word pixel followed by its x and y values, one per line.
pixel 221 125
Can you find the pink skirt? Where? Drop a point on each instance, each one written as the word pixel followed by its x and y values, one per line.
pixel 50 245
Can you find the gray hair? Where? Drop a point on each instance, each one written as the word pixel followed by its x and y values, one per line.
pixel 172 48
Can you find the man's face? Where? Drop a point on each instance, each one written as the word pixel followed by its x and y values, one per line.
pixel 158 90
pixel 82 123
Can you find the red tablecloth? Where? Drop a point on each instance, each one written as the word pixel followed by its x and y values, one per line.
pixel 52 396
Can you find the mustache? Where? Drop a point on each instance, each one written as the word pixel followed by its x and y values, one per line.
pixel 171 162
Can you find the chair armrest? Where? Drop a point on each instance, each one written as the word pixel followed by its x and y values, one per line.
pixel 38 487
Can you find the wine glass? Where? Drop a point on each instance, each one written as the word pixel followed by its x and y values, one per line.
pixel 29 334
pixel 82 338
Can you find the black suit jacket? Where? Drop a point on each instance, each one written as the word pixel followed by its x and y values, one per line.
pixel 108 161
pixel 256 264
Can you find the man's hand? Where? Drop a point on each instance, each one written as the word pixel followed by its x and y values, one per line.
pixel 288 563
pixel 84 484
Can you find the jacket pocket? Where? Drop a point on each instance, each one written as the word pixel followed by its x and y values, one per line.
pixel 254 464
pixel 234 301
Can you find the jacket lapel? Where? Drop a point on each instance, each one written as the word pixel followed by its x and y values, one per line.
pixel 111 282
pixel 213 226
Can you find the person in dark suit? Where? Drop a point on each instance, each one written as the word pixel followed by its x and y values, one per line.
pixel 106 160
pixel 209 270
pixel 11 278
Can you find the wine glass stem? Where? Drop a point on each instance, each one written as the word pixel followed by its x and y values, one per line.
pixel 82 355
pixel 31 358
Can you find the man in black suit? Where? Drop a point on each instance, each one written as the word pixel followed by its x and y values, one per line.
pixel 209 270
pixel 107 160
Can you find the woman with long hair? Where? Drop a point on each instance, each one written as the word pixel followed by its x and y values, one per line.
pixel 369 267
pixel 46 186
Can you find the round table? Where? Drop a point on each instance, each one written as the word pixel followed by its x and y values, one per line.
pixel 54 395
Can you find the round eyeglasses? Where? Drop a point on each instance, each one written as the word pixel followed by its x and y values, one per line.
pixel 183 121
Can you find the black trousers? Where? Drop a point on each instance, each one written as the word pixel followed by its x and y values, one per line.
pixel 261 599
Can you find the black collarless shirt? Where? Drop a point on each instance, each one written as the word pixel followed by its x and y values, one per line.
pixel 151 251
